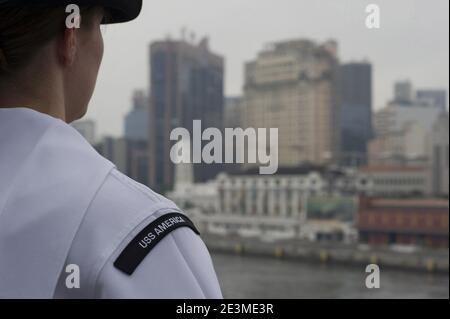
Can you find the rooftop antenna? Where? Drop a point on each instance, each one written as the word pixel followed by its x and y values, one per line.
pixel 183 33
pixel 192 37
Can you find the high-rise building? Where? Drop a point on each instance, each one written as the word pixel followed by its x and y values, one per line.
pixel 232 118
pixel 292 86
pixel 438 156
pixel 186 84
pixel 403 92
pixel 433 97
pixel 401 131
pixel 136 127
pixel 136 121
pixel 401 134
pixel 137 161
pixel 355 93
pixel 115 150
pixel 232 114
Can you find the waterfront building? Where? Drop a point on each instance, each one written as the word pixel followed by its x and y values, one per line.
pixel 393 181
pixel 415 221
pixel 272 206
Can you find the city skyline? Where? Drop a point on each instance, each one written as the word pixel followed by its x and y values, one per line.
pixel 125 65
pixel 270 148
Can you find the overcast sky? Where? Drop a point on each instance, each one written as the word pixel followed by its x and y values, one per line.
pixel 411 44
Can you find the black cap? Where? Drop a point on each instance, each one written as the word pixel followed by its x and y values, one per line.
pixel 119 10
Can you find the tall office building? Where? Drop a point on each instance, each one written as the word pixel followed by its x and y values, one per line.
pixel 433 97
pixel 438 156
pixel 403 92
pixel 401 131
pixel 115 150
pixel 136 121
pixel 187 84
pixel 355 92
pixel 292 86
pixel 136 126
pixel 232 118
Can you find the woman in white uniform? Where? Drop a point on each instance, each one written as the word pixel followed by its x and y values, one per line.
pixel 71 225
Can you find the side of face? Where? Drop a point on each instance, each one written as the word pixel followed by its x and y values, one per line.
pixel 81 56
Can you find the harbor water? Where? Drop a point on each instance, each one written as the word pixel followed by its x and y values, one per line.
pixel 264 277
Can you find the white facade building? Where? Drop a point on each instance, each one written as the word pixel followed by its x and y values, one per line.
pixel 393 181
pixel 200 197
pixel 276 206
pixel 269 206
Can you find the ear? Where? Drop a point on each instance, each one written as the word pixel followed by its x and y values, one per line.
pixel 68 47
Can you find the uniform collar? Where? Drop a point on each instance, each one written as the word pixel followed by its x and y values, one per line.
pixel 50 175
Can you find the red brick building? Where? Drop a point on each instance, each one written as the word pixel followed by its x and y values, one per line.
pixel 422 222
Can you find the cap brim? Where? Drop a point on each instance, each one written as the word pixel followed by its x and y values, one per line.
pixel 118 10
pixel 121 10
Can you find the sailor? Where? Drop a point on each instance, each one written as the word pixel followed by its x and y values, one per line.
pixel 71 225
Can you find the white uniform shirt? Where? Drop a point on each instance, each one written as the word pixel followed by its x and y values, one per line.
pixel 62 204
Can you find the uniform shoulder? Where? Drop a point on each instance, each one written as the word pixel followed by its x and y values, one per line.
pixel 119 207
pixel 118 183
pixel 160 260
pixel 122 203
pixel 160 256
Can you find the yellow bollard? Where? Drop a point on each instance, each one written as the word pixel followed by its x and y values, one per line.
pixel 279 252
pixel 374 259
pixel 239 248
pixel 324 256
pixel 430 265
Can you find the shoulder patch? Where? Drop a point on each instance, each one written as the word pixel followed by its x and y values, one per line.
pixel 148 238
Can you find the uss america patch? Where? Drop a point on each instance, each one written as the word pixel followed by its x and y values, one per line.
pixel 148 238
